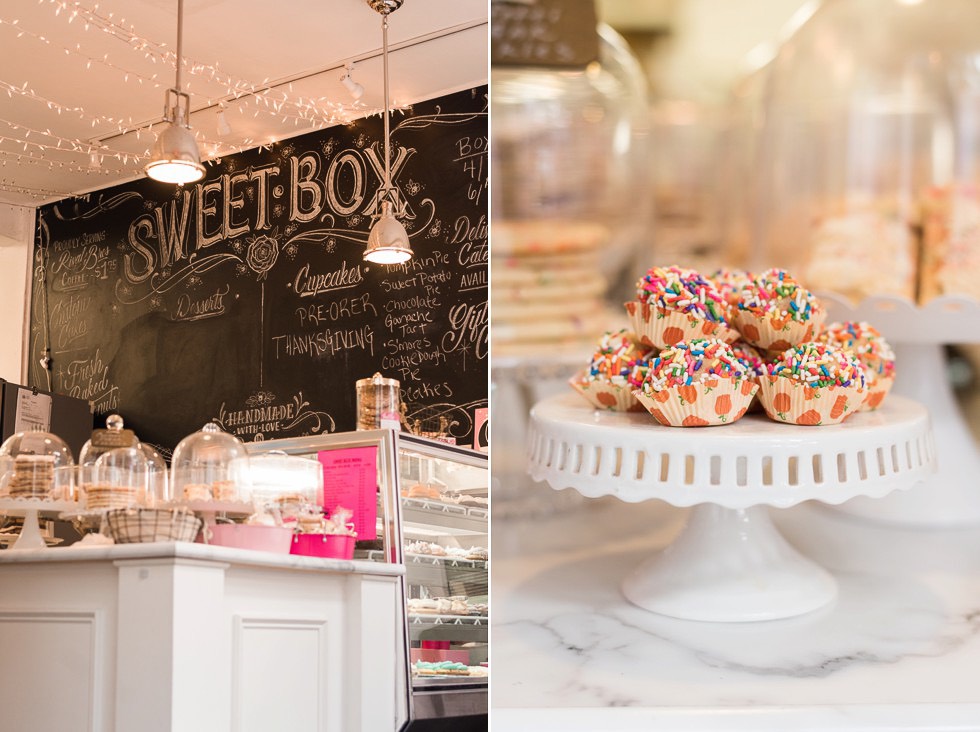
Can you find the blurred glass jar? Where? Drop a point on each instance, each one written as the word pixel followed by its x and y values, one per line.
pixel 569 146
pixel 868 154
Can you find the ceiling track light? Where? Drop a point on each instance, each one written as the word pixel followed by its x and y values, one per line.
pixel 388 241
pixel 175 157
pixel 223 127
pixel 353 88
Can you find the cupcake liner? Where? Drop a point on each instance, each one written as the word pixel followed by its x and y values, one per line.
pixel 788 400
pixel 603 395
pixel 661 328
pixel 762 332
pixel 712 402
pixel 876 393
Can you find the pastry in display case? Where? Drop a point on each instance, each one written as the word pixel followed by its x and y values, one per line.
pixel 427 503
pixel 30 464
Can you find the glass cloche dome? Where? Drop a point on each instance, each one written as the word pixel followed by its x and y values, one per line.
pixel 869 162
pixel 36 465
pixel 283 480
pixel 210 465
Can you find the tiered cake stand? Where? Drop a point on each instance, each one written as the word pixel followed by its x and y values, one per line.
pixel 729 563
pixel 951 496
pixel 30 508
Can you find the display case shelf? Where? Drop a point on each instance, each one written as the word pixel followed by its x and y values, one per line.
pixel 431 619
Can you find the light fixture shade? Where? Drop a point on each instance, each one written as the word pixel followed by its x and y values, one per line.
pixel 175 157
pixel 353 88
pixel 388 241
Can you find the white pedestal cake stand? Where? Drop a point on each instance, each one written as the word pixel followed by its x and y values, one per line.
pixel 729 563
pixel 951 496
pixel 30 508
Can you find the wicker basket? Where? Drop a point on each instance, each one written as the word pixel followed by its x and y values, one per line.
pixel 140 525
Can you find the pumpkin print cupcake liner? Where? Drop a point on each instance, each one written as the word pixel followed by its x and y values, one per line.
pixel 877 391
pixel 604 395
pixel 702 404
pixel 662 328
pixel 773 334
pixel 791 401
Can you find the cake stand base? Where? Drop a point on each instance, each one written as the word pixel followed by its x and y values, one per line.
pixel 950 496
pixel 30 533
pixel 730 565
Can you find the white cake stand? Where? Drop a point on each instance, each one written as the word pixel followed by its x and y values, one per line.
pixel 30 508
pixel 951 496
pixel 729 563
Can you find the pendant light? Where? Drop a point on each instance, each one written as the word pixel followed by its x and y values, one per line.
pixel 175 157
pixel 388 241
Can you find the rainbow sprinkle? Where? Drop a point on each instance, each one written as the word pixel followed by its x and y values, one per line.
pixel 865 342
pixel 730 283
pixel 776 294
pixel 750 358
pixel 690 362
pixel 619 359
pixel 683 290
pixel 819 365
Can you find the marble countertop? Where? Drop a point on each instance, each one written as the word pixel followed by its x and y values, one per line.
pixel 899 649
pixel 198 552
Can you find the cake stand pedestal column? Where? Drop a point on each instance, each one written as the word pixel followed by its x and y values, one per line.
pixel 729 564
pixel 30 536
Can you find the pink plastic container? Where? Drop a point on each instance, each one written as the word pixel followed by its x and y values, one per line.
pixel 260 538
pixel 336 546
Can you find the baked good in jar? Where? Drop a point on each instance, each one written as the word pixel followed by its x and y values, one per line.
pixel 813 384
pixel 697 383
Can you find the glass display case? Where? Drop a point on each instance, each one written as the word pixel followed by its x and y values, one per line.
pixel 430 513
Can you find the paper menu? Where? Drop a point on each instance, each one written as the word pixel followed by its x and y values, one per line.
pixel 33 411
pixel 350 480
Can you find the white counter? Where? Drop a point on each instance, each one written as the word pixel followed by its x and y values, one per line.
pixel 899 650
pixel 179 637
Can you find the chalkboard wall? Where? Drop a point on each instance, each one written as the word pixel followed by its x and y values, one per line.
pixel 244 298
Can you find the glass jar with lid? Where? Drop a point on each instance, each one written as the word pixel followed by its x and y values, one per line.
pixel 570 189
pixel 869 175
pixel 117 479
pixel 210 465
pixel 36 465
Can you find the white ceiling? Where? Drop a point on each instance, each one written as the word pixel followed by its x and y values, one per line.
pixel 110 87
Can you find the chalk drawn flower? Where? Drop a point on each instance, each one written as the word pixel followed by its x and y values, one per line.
pixel 260 399
pixel 435 229
pixel 241 270
pixel 261 254
pixel 362 140
pixel 353 221
pixel 290 229
pixel 413 187
pixel 237 246
pixel 291 250
pixel 194 281
pixel 250 194
pixel 278 210
pixel 330 245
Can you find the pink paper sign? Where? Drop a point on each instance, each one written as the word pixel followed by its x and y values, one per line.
pixel 350 480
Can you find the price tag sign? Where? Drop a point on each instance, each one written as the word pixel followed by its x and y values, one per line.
pixel 556 33
pixel 481 430
pixel 350 480
pixel 33 411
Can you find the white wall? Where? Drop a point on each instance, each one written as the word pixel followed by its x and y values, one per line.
pixel 16 235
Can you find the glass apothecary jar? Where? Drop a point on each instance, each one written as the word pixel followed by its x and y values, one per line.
pixel 33 466
pixel 117 479
pixel 378 403
pixel 210 465
pixel 869 156
pixel 569 157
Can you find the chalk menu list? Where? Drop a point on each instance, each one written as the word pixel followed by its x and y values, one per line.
pixel 244 298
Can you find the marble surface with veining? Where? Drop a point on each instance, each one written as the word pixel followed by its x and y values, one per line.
pixel 899 648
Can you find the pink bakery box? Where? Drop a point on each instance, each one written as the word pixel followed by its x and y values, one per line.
pixel 274 539
pixel 434 655
pixel 336 546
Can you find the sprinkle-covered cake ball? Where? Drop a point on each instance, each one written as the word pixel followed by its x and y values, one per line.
pixel 619 359
pixel 813 384
pixel 697 383
pixel 871 349
pixel 775 312
pixel 616 368
pixel 730 283
pixel 750 358
pixel 674 304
